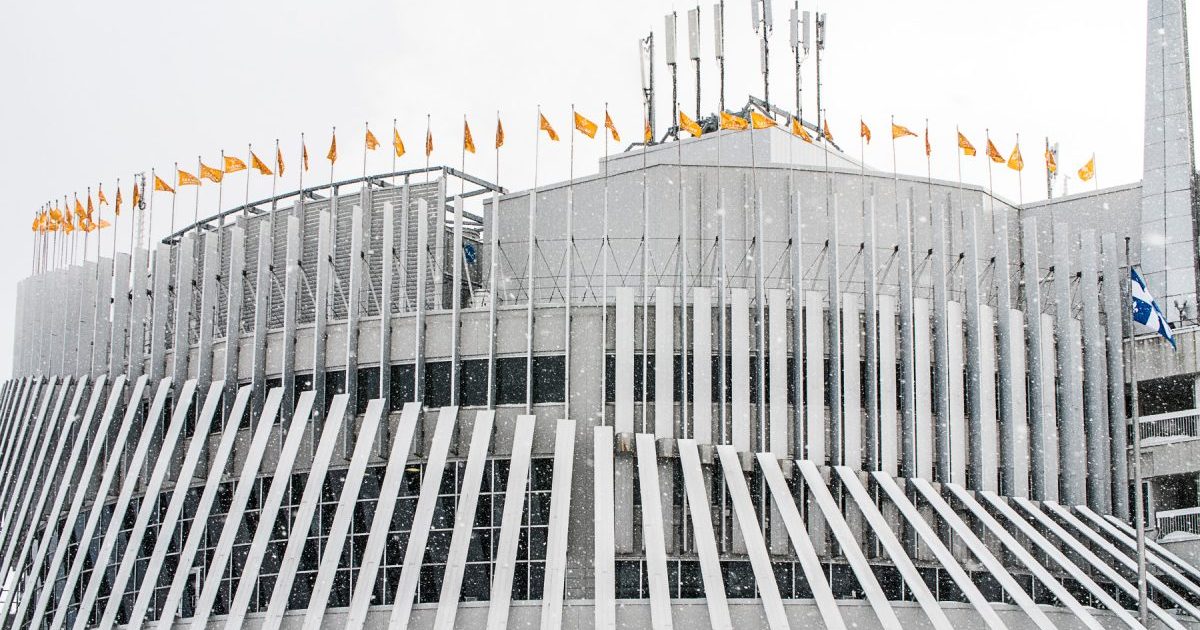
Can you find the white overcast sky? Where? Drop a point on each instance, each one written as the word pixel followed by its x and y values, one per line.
pixel 93 91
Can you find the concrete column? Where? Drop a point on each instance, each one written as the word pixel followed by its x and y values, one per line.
pixel 1033 356
pixel 121 307
pixel 1072 453
pixel 208 310
pixel 139 309
pixel 1095 381
pixel 160 301
pixel 1007 394
pixel 941 350
pixel 185 262
pixel 1114 323
pixel 233 315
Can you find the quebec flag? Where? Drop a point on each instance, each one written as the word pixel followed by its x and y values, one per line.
pixel 1146 311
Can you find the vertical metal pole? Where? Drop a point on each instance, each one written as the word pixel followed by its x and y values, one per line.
pixel 1139 510
pixel 1033 357
pixel 871 349
pixel 908 416
pixel 941 346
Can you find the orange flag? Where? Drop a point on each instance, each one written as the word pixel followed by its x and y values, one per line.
pixel 585 126
pixel 899 131
pixel 928 149
pixel 212 174
pixel 1015 162
pixel 159 184
pixel 468 141
pixel 303 154
pixel 825 126
pixel 499 133
pixel 758 121
pixel 137 195
pixel 117 207
pixel 79 209
pixel 100 198
pixel 968 149
pixel 259 165
pixel 1051 163
pixel 428 142
pixel 1088 171
pixel 733 122
pixel 689 125
pixel 648 135
pixel 608 124
pixel 233 165
pixel 370 141
pixel 994 153
pixel 332 154
pixel 544 125
pixel 864 131
pixel 279 161
pixel 799 130
pixel 185 178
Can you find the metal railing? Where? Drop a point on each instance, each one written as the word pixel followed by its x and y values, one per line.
pixel 1185 520
pixel 1170 427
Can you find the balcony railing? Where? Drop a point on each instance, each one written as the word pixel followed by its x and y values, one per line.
pixel 1185 520
pixel 1170 427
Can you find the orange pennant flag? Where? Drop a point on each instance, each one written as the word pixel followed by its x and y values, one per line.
pixel 825 128
pixel 370 141
pixel 100 198
pixel 468 141
pixel 159 184
pixel 259 165
pixel 544 125
pixel 397 143
pixel 968 149
pixel 185 178
pixel 117 207
pixel 1051 163
pixel 1015 162
pixel 608 124
pixel 1088 171
pixel 899 131
pixel 279 161
pixel 428 142
pixel 798 130
pixel 137 196
pixel 90 209
pixel 864 131
pixel 648 135
pixel 214 175
pixel 733 122
pixel 332 154
pixel 233 165
pixel 303 154
pixel 994 153
pixel 689 125
pixel 928 149
pixel 499 133
pixel 79 209
pixel 759 121
pixel 585 126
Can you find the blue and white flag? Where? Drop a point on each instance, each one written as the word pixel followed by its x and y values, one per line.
pixel 1146 311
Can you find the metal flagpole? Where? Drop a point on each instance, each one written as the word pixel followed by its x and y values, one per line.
pixel 395 133
pixel 570 272
pixel 196 207
pixel 604 250
pixel 1139 508
pixel 249 165
pixel 367 127
pixel 1020 185
pixel 958 155
pixel 537 140
pixel 991 194
pixel 427 147
pixel 303 167
pixel 645 280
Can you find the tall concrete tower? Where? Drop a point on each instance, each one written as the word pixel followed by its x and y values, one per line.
pixel 1169 218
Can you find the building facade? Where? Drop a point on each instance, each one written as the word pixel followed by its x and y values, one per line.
pixel 737 379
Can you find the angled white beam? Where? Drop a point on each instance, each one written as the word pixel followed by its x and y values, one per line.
pixel 239 605
pixel 241 495
pixel 414 554
pixel 115 460
pixel 739 341
pixel 302 520
pixel 653 534
pixel 939 550
pixel 560 520
pixel 989 561
pixel 510 524
pixel 1045 523
pixel 810 563
pixel 756 548
pixel 1059 558
pixel 81 492
pixel 331 555
pixel 1130 564
pixel 851 430
pixel 401 449
pixel 1118 531
pixel 894 549
pixel 623 407
pixel 705 538
pixel 1023 556
pixel 170 518
pixel 664 362
pixel 814 378
pixel 850 546
pixel 464 519
pixel 701 389
pixel 1188 568
pixel 23 456
pixel 888 403
pixel 777 333
pixel 65 478
pixel 149 506
pixel 133 477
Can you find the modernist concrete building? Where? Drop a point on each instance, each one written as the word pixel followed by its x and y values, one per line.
pixel 739 379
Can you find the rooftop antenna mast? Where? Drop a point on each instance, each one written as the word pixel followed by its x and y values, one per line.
pixel 800 39
pixel 694 50
pixel 646 54
pixel 820 46
pixel 719 45
pixel 760 16
pixel 672 62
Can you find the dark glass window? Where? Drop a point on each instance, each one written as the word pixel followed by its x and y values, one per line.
pixel 549 379
pixel 437 384
pixel 510 380
pixel 402 386
pixel 367 388
pixel 473 381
